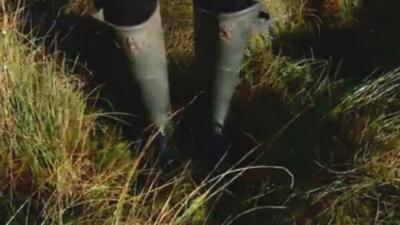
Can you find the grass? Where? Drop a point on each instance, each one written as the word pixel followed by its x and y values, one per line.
pixel 60 164
pixel 64 162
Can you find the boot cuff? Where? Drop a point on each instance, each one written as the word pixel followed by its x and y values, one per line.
pixel 154 16
pixel 252 5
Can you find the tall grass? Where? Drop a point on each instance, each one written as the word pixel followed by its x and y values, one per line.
pixel 362 187
pixel 60 163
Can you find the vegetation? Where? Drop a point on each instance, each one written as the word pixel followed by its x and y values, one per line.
pixel 61 165
pixel 336 131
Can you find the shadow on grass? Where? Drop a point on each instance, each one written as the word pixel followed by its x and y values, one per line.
pixel 372 43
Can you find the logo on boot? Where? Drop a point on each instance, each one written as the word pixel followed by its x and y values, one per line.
pixel 133 45
pixel 226 32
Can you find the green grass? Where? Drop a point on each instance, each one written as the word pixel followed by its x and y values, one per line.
pixel 62 162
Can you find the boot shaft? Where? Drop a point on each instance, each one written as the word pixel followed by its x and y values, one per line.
pixel 220 41
pixel 143 47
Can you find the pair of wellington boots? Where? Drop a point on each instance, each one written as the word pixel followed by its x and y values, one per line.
pixel 221 39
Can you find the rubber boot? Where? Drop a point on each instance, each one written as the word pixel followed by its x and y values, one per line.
pixel 221 39
pixel 144 48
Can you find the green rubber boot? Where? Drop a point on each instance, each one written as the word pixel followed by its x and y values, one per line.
pixel 143 46
pixel 221 39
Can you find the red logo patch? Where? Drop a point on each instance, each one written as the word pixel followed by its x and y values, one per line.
pixel 133 45
pixel 226 32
